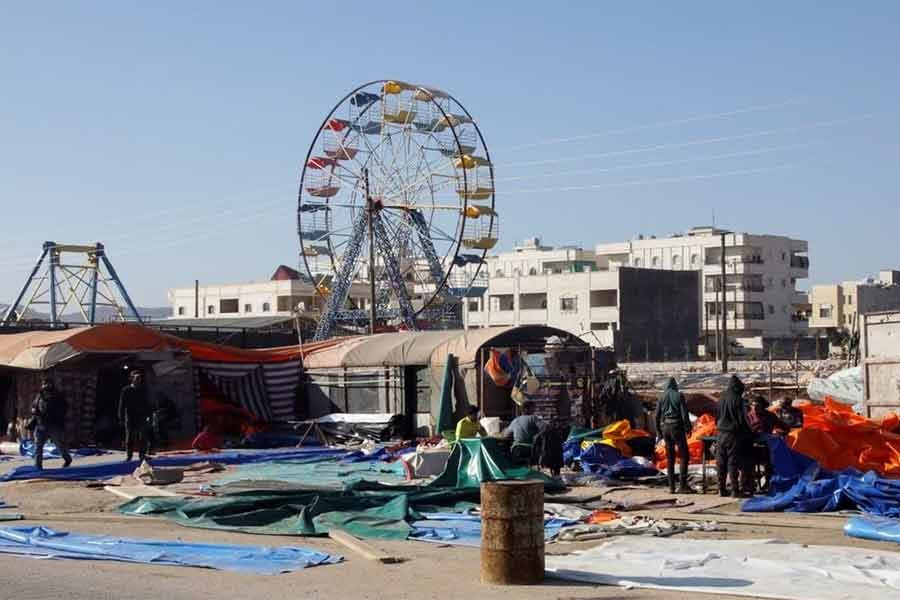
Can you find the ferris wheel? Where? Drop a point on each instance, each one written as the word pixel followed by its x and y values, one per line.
pixel 396 205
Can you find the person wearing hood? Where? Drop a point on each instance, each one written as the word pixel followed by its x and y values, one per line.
pixel 735 438
pixel 673 424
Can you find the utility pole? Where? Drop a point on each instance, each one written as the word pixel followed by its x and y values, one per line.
pixel 724 315
pixel 373 309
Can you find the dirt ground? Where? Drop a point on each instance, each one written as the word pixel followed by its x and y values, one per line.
pixel 427 571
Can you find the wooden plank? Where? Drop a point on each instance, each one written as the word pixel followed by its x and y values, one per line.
pixel 362 548
pixel 130 492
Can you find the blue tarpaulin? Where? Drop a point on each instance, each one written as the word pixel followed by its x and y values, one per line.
pixel 26 448
pixel 465 530
pixel 100 471
pixel 43 542
pixel 868 527
pixel 801 485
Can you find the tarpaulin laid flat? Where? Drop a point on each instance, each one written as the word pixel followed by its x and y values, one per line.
pixel 43 542
pixel 332 472
pixel 99 471
pixel 869 527
pixel 801 485
pixel 456 529
pixel 364 509
pixel 26 448
pixel 756 568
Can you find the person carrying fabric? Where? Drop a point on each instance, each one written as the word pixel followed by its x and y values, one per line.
pixel 468 426
pixel 790 414
pixel 673 424
pixel 523 429
pixel 734 446
pixel 48 417
pixel 134 413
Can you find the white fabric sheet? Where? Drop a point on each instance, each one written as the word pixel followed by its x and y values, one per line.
pixel 758 568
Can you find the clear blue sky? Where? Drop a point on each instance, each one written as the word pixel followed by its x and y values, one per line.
pixel 175 131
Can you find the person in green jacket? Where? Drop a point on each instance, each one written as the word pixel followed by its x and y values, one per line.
pixel 673 425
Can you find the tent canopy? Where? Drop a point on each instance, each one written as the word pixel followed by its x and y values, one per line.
pixel 39 350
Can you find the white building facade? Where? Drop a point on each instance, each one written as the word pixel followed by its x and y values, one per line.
pixel 761 296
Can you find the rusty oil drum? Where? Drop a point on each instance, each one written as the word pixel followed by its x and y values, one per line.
pixel 512 532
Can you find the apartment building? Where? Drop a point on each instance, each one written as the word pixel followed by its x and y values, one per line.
pixel 838 306
pixel 641 312
pixel 761 296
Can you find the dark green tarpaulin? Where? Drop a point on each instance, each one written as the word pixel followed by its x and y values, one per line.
pixel 363 508
pixel 444 418
pixel 476 460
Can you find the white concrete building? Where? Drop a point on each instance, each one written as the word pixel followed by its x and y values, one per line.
pixel 566 288
pixel 838 306
pixel 280 296
pixel 762 300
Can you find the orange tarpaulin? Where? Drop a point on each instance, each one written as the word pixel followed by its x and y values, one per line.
pixel 705 425
pixel 617 435
pixel 838 438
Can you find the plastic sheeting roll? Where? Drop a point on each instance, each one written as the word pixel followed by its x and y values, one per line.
pixel 871 527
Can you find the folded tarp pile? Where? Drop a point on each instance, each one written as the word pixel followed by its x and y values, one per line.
pixel 42 542
pixel 607 453
pixel 756 568
pixel 802 485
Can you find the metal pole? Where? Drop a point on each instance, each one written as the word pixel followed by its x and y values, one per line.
pixel 54 261
pixel 372 302
pixel 770 374
pixel 196 298
pixel 724 310
pixel 95 262
pixel 115 278
pixel 718 316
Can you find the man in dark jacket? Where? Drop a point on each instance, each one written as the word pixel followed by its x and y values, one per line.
pixel 48 412
pixel 673 424
pixel 134 413
pixel 735 438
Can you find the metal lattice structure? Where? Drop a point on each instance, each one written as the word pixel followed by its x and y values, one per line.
pixel 62 286
pixel 396 198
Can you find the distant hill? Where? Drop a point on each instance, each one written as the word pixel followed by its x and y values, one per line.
pixel 104 314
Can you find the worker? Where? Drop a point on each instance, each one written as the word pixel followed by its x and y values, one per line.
pixel 522 430
pixel 673 425
pixel 48 418
pixel 134 413
pixel 468 426
pixel 790 414
pixel 763 422
pixel 734 445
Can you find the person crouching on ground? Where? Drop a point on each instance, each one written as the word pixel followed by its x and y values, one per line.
pixel 523 429
pixel 468 426
pixel 48 412
pixel 734 447
pixel 673 424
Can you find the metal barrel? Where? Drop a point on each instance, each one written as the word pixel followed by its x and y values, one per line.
pixel 512 532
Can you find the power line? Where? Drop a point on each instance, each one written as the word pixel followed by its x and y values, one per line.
pixel 657 124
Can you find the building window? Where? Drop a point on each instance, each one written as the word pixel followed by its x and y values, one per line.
pixel 695 260
pixel 517 272
pixel 771 281
pixel 266 307
pixel 637 262
pixel 568 304
pixel 783 257
pixel 771 309
pixel 473 305
pixel 599 326
pixel 676 261
pixel 180 311
pixel 532 271
pixel 825 312
pixel 248 308
pixel 849 299
pixel 654 261
pixel 210 310
pixel 228 306
pixel 498 273
pixel 784 283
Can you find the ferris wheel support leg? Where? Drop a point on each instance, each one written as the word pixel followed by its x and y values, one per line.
pixel 343 280
pixel 395 277
pixel 434 263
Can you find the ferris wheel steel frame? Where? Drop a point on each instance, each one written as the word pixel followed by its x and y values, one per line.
pixel 412 223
